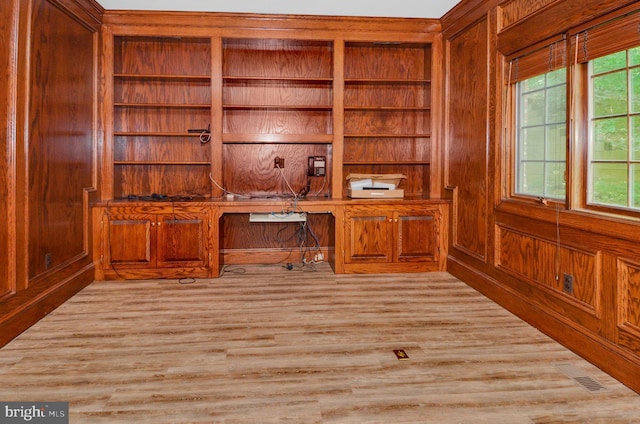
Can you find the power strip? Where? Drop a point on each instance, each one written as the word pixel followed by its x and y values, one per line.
pixel 278 217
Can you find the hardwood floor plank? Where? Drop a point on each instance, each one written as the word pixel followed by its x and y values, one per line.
pixel 267 345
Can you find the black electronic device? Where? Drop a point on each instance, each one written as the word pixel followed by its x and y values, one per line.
pixel 317 166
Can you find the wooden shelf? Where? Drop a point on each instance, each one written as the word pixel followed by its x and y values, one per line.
pixel 373 162
pixel 278 138
pixel 390 81
pixel 319 80
pixel 154 134
pixel 387 135
pixel 162 105
pixel 163 77
pixel 388 108
pixel 278 107
pixel 127 162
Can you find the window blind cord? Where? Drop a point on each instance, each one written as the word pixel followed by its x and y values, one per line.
pixel 571 140
pixel 506 109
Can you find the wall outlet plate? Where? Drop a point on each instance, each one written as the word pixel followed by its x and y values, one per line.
pixel 567 283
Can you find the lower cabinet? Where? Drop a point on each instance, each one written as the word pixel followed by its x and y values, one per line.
pixel 394 238
pixel 164 240
pixel 159 244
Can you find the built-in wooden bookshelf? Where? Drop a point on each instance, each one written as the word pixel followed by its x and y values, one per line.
pixel 277 101
pixel 161 90
pixel 387 111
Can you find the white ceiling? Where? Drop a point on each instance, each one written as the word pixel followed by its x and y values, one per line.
pixel 389 8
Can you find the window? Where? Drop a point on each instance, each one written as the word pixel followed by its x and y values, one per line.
pixel 591 79
pixel 541 135
pixel 538 83
pixel 614 127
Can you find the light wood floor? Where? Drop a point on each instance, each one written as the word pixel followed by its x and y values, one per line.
pixel 277 346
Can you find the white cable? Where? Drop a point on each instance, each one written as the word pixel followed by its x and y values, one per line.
pixel 224 190
pixel 295 195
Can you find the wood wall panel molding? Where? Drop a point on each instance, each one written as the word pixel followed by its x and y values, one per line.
pixel 9 24
pixel 464 15
pixel 514 11
pixel 629 303
pixel 296 26
pixel 466 134
pixel 61 138
pixel 605 227
pixel 544 263
pixel 86 12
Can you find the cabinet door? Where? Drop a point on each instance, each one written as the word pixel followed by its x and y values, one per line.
pixel 368 235
pixel 130 241
pixel 182 240
pixel 416 235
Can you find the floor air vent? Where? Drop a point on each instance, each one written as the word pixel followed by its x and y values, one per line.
pixel 587 382
pixel 590 384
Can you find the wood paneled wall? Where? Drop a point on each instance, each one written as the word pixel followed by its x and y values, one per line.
pixel 8 105
pixel 515 252
pixel 467 129
pixel 49 157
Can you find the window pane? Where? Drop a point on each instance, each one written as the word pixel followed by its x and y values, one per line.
pixel 610 139
pixel 614 143
pixel 531 179
pixel 556 142
pixel 559 76
pixel 555 185
pixel 609 184
pixel 610 62
pixel 635 90
pixel 556 104
pixel 610 94
pixel 534 83
pixel 634 56
pixel 533 109
pixel 532 144
pixel 541 135
pixel 635 138
pixel 635 185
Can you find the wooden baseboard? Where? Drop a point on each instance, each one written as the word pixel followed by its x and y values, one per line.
pixel 24 309
pixel 396 267
pixel 265 256
pixel 612 359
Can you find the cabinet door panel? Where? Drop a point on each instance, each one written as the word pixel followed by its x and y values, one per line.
pixel 130 241
pixel 416 237
pixel 181 241
pixel 369 237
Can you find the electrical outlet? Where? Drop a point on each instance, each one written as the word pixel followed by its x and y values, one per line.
pixel 567 283
pixel 319 257
pixel 278 162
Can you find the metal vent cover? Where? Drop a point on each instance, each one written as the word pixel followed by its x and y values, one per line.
pixel 586 381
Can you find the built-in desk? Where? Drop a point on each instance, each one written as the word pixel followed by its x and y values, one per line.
pixel 176 238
